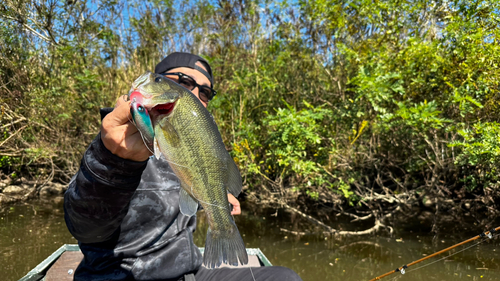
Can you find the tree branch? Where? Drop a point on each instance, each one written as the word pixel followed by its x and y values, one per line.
pixel 29 28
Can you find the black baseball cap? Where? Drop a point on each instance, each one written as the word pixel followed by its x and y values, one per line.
pixel 179 59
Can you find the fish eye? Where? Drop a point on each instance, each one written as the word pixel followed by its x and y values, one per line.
pixel 140 108
pixel 158 79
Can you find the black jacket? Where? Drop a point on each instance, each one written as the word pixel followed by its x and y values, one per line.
pixel 125 216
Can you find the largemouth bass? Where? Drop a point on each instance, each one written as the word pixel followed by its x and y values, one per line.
pixel 175 123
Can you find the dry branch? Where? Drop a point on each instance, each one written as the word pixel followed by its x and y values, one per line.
pixel 318 222
pixel 15 133
pixel 378 224
pixel 15 122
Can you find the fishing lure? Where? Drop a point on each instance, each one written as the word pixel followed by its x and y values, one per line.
pixel 142 120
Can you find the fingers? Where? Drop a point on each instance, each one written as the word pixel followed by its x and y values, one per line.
pixel 120 115
pixel 236 204
pixel 120 136
pixel 121 100
pixel 116 127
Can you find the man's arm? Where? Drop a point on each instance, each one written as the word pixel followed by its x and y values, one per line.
pixel 97 198
pixel 110 171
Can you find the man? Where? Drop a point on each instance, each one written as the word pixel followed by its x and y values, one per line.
pixel 123 208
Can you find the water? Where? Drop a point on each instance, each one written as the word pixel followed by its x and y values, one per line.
pixel 31 232
pixel 28 235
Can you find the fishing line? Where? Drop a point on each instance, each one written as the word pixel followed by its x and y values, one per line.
pixel 179 165
pixel 220 207
pixel 192 193
pixel 169 161
pixel 147 146
pixel 252 273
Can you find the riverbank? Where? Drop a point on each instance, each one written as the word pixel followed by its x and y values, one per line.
pixel 380 214
pixel 20 190
pixel 426 212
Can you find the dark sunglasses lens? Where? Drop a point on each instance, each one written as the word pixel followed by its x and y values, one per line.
pixel 187 82
pixel 206 92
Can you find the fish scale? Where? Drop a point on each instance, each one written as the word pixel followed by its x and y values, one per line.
pixel 189 139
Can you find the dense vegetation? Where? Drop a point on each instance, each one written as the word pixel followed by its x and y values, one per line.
pixel 366 107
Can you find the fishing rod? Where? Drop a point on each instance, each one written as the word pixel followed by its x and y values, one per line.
pixel 404 267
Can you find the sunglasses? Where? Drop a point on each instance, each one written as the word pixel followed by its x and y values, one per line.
pixel 206 93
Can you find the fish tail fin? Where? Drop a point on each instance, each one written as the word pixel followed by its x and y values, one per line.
pixel 224 247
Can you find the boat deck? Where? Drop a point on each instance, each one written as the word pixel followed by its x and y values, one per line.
pixel 62 264
pixel 65 266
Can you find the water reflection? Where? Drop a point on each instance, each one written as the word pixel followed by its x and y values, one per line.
pixel 30 233
pixel 318 257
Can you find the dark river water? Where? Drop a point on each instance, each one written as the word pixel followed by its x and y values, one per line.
pixel 31 232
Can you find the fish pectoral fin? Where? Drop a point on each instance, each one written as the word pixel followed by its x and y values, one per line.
pixel 234 182
pixel 187 203
pixel 169 133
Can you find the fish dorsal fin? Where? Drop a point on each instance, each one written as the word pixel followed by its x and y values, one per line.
pixel 187 203
pixel 234 181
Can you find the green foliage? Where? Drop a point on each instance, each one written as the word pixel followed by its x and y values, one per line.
pixel 421 117
pixel 480 153
pixel 294 138
pixel 327 99
pixel 480 144
pixel 344 189
pixel 294 148
pixel 7 161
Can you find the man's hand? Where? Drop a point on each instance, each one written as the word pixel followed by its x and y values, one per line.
pixel 236 204
pixel 120 136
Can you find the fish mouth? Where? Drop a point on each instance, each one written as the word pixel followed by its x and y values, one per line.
pixel 164 109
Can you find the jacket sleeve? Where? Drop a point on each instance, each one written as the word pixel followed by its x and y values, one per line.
pixel 98 196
